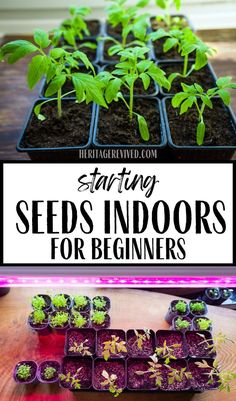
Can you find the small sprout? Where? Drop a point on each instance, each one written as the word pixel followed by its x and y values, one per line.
pixel 154 371
pixel 142 337
pixel 197 306
pixel 213 292
pixel 181 306
pixel 167 352
pixel 204 324
pixel 60 319
pixel 38 302
pixel 177 375
pixel 59 301
pixel 38 316
pixel 80 301
pixel 167 18
pixel 78 320
pixel 99 303
pixel 49 372
pixel 182 323
pixel 72 379
pixel 98 317
pixel 80 348
pixel 110 380
pixel 222 378
pixel 24 371
pixel 215 344
pixel 113 347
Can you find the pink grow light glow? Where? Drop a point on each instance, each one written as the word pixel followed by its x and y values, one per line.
pixel 108 281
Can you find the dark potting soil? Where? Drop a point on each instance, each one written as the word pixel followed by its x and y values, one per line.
pixel 140 382
pixel 104 325
pixel 116 31
pixel 70 130
pixel 195 345
pixel 49 364
pixel 155 25
pixel 112 368
pixel 200 377
pixel 177 385
pixel 219 128
pixel 84 375
pixel 138 89
pixel 106 335
pixel 172 338
pixel 202 77
pixel 94 27
pixel 171 54
pixel 114 126
pixel 132 347
pixel 80 336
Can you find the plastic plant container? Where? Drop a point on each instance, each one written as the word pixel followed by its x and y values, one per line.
pixel 33 377
pixel 48 302
pixel 183 385
pixel 107 305
pixel 197 313
pixel 175 325
pixel 103 325
pixel 172 337
pixel 48 364
pixel 59 153
pixel 82 309
pixel 59 329
pixel 68 303
pixel 200 378
pixel 112 367
pixel 198 343
pixel 105 335
pixel 197 324
pixel 137 382
pixel 41 329
pixel 78 324
pixel 173 312
pixel 225 293
pixel 148 343
pixel 80 336
pixel 80 368
pixel 211 296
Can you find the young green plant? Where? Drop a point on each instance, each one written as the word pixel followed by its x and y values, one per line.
pixel 182 324
pixel 154 371
pixel 23 371
pixel 49 372
pixel 99 303
pixel 167 352
pixel 38 302
pixel 133 65
pixel 194 96
pixel 73 380
pixel 203 324
pixel 177 375
pixel 38 316
pixel 78 320
pixel 168 20
pixel 223 378
pixel 181 306
pixel 98 317
pixel 60 319
pixel 80 301
pixel 141 338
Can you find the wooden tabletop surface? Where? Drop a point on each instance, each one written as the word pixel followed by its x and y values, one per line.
pixel 130 309
pixel 16 99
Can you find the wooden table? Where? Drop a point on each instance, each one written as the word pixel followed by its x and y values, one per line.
pixel 16 99
pixel 130 309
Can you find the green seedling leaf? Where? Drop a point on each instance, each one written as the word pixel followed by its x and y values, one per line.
pixel 57 53
pixel 37 112
pixel 37 68
pixel 55 85
pixel 42 38
pixel 169 44
pixel 146 80
pixel 143 128
pixel 225 96
pixel 14 51
pixel 187 104
pixel 178 99
pixel 201 128
pixel 112 89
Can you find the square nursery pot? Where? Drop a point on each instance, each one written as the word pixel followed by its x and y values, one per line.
pixel 172 312
pixel 148 346
pixel 85 316
pixel 196 345
pixel 84 309
pixel 139 90
pixel 42 329
pixel 155 25
pixel 55 139
pixel 202 312
pixel 112 367
pixel 196 325
pixel 72 365
pixel 200 378
pixel 104 57
pixel 211 296
pixel 205 77
pixel 182 329
pixel 104 325
pixel 106 335
pixel 172 337
pixel 86 336
pixel 48 364
pixel 33 377
pixel 48 302
pixel 106 307
pixel 183 385
pixel 63 309
pixel 137 382
pixel 220 136
pixel 113 129
pixel 59 329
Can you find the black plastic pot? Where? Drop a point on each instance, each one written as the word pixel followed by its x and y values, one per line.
pixel 52 364
pixel 183 385
pixel 224 296
pixel 59 153
pixel 176 15
pixel 41 329
pixel 139 383
pixel 166 335
pixel 85 309
pixel 106 307
pixel 172 312
pixel 111 367
pixel 203 152
pixel 104 325
pixel 174 326
pixel 33 377
pixel 69 304
pixel 77 362
pixel 203 312
pixel 162 132
pixel 168 63
pixel 200 378
pixel 108 333
pixel 211 298
pixel 146 351
pixel 196 326
pixel 48 302
pixel 84 315
pixel 196 345
pixel 82 335
pixel 59 329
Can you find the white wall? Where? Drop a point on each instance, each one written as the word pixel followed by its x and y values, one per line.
pixel 23 16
